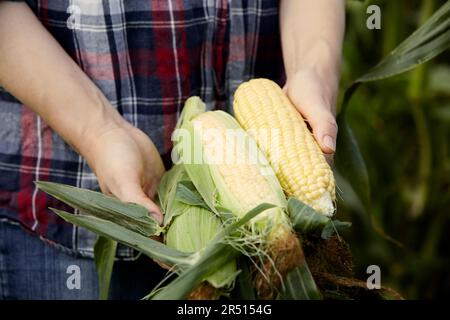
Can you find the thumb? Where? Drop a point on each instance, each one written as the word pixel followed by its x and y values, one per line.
pixel 325 130
pixel 133 193
pixel 318 114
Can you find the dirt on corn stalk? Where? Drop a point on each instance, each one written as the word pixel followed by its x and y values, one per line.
pixel 336 287
pixel 331 264
pixel 204 291
pixel 328 256
pixel 324 258
pixel 286 255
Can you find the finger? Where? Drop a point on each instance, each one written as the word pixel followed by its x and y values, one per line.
pixel 133 192
pixel 325 131
pixel 151 188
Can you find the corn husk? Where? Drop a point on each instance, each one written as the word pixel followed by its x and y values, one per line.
pixel 192 231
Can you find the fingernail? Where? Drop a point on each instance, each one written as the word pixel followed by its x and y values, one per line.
pixel 328 141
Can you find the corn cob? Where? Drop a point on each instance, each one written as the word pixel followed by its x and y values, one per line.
pixel 239 173
pixel 236 182
pixel 295 156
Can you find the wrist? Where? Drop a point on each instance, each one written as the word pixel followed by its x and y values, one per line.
pixel 310 79
pixel 320 64
pixel 102 118
pixel 321 59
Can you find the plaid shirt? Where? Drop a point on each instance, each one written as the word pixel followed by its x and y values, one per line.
pixel 147 57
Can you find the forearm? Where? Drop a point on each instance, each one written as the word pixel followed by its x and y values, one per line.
pixel 311 34
pixel 38 72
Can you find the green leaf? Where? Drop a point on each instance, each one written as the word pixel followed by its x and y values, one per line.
pixel 149 247
pixel 167 193
pixel 300 285
pixel 304 218
pixel 192 108
pixel 439 79
pixel 350 163
pixel 307 221
pixel 187 194
pixel 167 186
pixel 431 39
pixel 244 287
pixel 199 173
pixel 129 215
pixel 214 256
pixel 204 183
pixel 334 226
pixel 248 216
pixel 192 231
pixel 442 113
pixel 104 254
pixel 190 153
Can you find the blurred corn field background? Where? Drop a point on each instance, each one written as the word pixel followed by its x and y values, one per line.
pixel 402 125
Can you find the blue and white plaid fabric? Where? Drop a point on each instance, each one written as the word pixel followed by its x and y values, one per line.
pixel 147 57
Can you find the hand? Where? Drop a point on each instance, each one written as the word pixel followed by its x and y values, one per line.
pixel 314 97
pixel 127 165
pixel 40 73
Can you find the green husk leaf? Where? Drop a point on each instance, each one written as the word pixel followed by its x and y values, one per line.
pixel 167 187
pixel 188 152
pixel 128 215
pixel 307 221
pixel 192 231
pixel 104 254
pixel 135 240
pixel 191 226
pixel 244 287
pixel 192 108
pixel 187 194
pixel 214 258
pixel 215 255
pixel 168 193
pixel 300 285
pixel 334 226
